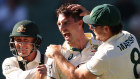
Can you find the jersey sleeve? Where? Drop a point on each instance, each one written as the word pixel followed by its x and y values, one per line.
pixel 11 70
pixel 96 66
pixel 52 69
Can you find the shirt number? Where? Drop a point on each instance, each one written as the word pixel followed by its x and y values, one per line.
pixel 134 61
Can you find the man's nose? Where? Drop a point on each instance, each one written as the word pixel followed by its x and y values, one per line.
pixel 62 27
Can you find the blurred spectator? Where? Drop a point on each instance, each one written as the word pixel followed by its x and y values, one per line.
pixel 10 13
pixel 134 25
pixel 126 7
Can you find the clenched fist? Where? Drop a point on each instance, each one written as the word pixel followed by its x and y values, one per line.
pixel 52 50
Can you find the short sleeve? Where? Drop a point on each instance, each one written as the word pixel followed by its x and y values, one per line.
pixel 96 66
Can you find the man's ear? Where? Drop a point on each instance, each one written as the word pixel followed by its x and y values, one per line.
pixel 81 22
pixel 106 29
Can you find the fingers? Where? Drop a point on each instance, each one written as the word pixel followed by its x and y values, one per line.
pixel 52 46
pixel 74 6
pixel 52 50
pixel 42 69
pixel 77 6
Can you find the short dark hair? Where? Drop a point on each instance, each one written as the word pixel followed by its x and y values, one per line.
pixel 68 12
pixel 116 29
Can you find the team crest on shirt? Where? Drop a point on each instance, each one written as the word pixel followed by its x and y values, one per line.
pixel 21 28
pixel 70 57
pixel 94 47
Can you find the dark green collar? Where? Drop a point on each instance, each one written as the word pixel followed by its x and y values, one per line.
pixel 75 49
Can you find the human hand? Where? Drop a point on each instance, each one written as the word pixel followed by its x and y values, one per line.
pixel 52 50
pixel 77 6
pixel 41 71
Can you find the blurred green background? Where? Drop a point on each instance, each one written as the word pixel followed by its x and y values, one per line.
pixel 43 13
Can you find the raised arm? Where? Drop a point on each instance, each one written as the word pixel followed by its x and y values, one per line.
pixel 67 68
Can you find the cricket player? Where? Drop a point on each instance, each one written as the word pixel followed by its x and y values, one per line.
pixel 25 40
pixel 117 57
pixel 78 47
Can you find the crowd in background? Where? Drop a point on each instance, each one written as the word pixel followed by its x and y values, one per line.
pixel 12 11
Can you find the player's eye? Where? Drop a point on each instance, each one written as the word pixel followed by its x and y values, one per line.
pixel 18 40
pixel 26 40
pixel 65 23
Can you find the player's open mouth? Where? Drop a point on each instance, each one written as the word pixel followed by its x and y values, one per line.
pixel 67 36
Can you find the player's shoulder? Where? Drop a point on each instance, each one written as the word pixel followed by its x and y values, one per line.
pixel 124 37
pixel 127 34
pixel 10 60
pixel 95 42
pixel 92 39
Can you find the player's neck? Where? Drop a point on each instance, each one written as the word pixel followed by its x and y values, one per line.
pixel 81 43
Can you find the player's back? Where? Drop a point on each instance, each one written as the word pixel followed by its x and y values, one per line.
pixel 122 57
pixel 116 58
pixel 126 57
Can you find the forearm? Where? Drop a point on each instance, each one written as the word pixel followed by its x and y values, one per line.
pixel 71 71
pixel 55 52
pixel 67 68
